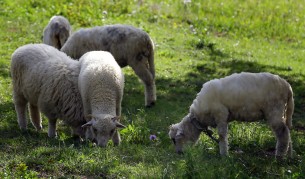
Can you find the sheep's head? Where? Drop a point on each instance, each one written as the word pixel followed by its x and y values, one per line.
pixel 184 132
pixel 102 128
pixel 178 137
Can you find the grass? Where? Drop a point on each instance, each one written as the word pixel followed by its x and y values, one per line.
pixel 195 42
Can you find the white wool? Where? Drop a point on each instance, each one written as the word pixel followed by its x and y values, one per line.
pixel 101 83
pixel 47 79
pixel 129 46
pixel 246 96
pixel 242 97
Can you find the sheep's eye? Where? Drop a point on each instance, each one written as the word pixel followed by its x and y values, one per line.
pixel 174 140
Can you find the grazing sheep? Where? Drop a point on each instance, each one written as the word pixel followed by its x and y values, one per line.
pixel 129 46
pixel 101 84
pixel 57 32
pixel 243 97
pixel 47 79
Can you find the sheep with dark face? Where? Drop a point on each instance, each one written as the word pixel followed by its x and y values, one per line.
pixel 243 97
pixel 101 84
pixel 56 32
pixel 129 46
pixel 46 79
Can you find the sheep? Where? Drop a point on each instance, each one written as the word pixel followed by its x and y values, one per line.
pixel 101 84
pixel 245 97
pixel 47 79
pixel 129 46
pixel 56 32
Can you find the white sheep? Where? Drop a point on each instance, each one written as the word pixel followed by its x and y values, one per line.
pixel 57 32
pixel 129 46
pixel 101 84
pixel 47 79
pixel 243 97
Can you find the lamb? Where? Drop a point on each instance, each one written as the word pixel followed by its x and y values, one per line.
pixel 47 79
pixel 129 46
pixel 245 97
pixel 57 32
pixel 101 84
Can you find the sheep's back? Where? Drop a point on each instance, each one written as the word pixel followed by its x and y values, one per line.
pixel 123 41
pixel 47 78
pixel 101 82
pixel 243 95
pixel 253 88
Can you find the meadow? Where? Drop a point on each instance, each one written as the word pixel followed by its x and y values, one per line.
pixel 195 41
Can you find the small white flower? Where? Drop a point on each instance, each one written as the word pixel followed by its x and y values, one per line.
pixel 187 1
pixel 236 44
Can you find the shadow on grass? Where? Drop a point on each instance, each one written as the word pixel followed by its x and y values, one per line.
pixel 5 108
pixel 206 72
pixel 177 94
pixel 173 95
pixel 11 135
pixel 5 70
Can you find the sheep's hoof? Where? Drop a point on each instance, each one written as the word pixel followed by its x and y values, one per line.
pixel 77 138
pixel 53 135
pixel 23 131
pixel 180 153
pixel 280 159
pixel 151 104
pixel 39 129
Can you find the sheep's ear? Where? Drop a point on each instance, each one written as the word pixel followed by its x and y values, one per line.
pixel 119 125
pixel 179 134
pixel 88 124
pixel 116 120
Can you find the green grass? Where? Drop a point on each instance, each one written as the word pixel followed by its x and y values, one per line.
pixel 195 42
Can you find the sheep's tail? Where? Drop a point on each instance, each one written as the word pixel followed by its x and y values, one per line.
pixel 151 58
pixel 290 108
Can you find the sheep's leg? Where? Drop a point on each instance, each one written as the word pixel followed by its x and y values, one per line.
pixel 86 105
pixel 275 117
pixel 283 138
pixel 147 78
pixel 35 117
pixel 118 107
pixel 52 128
pixel 20 107
pixel 118 111
pixel 223 138
pixel 221 114
pixel 116 138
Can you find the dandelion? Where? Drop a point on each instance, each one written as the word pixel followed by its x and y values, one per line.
pixel 152 137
